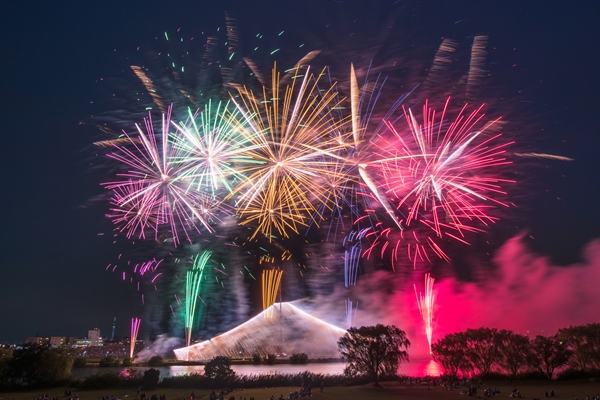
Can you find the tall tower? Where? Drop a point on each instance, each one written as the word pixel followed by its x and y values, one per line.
pixel 112 337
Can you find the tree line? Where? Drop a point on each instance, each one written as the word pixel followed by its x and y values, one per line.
pixel 486 351
pixel 371 353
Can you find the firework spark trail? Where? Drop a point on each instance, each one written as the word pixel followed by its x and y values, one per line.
pixel 271 280
pixel 152 193
pixel 544 155
pixel 192 292
pixel 135 327
pixel 290 132
pixel 343 199
pixel 425 303
pixel 351 311
pixel 357 134
pixel 351 261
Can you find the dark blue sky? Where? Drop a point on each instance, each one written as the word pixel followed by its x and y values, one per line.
pixel 544 63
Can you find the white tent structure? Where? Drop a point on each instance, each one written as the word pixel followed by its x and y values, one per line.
pixel 282 329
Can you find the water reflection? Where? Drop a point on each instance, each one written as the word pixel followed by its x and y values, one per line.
pixel 431 368
pixel 414 368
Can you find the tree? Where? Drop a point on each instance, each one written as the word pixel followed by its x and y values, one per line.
pixel 219 369
pixel 299 358
pixel 270 359
pixel 109 361
pixel 35 365
pixel 151 378
pixel 450 351
pixel 79 362
pixel 57 365
pixel 482 348
pixel 584 343
pixel 156 361
pixel 5 356
pixel 548 353
pixel 373 350
pixel 514 351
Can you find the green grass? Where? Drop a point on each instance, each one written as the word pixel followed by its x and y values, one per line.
pixel 568 390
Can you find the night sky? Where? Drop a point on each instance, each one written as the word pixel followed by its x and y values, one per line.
pixel 56 57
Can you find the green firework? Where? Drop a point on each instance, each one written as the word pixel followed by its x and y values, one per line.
pixel 192 291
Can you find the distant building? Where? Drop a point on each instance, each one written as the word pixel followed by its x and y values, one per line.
pixel 94 337
pixel 41 340
pixel 58 341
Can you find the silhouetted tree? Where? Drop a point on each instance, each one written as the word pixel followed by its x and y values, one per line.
pixel 548 353
pixel 270 359
pixel 151 378
pixel 482 348
pixel 373 350
pixel 219 370
pixel 299 358
pixel 451 352
pixel 36 365
pixel 584 343
pixel 156 361
pixel 109 361
pixel 514 351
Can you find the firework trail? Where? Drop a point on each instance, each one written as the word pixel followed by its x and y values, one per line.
pixel 135 328
pixel 192 292
pixel 425 303
pixel 290 131
pixel 346 200
pixel 351 311
pixel 544 155
pixel 351 260
pixel 271 280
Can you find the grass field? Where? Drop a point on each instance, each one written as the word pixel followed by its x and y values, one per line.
pixel 569 390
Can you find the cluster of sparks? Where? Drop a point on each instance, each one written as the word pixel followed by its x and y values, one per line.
pixel 286 158
pixel 281 160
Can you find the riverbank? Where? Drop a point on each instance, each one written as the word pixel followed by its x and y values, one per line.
pixel 416 368
pixel 564 390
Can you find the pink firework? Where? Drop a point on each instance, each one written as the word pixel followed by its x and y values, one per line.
pixel 447 171
pixel 442 177
pixel 425 303
pixel 151 193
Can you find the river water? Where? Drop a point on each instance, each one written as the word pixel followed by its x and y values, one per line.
pixel 415 368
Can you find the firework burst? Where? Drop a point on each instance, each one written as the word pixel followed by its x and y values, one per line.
pixel 290 131
pixel 447 169
pixel 442 177
pixel 153 193
pixel 210 152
